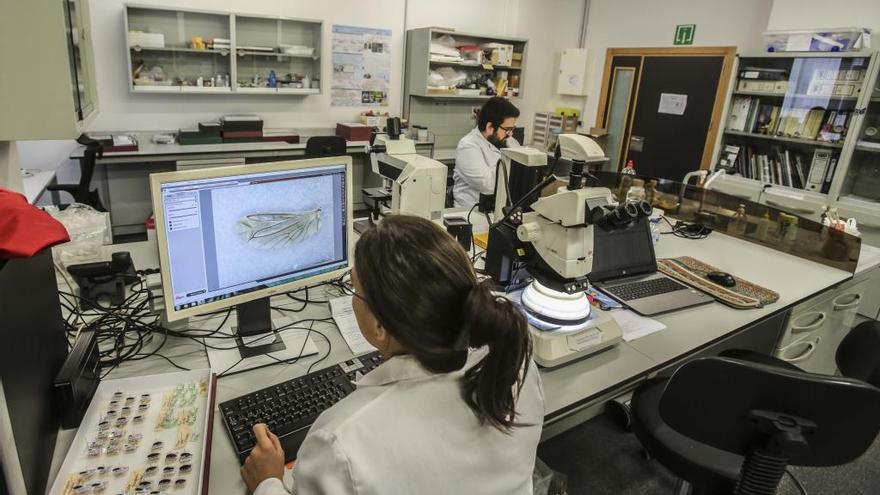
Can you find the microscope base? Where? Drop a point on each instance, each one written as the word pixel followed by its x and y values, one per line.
pixel 553 349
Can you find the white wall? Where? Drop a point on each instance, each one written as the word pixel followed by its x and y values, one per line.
pixel 122 110
pixel 651 23
pixel 550 26
pixel 806 14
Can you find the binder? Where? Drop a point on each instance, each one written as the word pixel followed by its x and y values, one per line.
pixel 818 169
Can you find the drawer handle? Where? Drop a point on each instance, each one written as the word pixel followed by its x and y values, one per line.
pixel 811 348
pixel 812 326
pixel 792 208
pixel 838 306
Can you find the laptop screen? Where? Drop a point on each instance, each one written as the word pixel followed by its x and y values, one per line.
pixel 621 253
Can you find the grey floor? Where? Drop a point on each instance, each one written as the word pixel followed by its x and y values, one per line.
pixel 599 457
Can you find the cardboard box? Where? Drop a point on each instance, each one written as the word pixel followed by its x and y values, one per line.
pixel 353 131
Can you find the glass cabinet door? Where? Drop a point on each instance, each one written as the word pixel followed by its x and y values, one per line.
pixel 277 55
pixel 861 184
pixel 179 51
pixel 82 99
pixel 789 118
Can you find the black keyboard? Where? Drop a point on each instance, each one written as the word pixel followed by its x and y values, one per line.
pixel 644 288
pixel 290 408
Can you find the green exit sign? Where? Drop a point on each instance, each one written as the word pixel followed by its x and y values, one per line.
pixel 684 34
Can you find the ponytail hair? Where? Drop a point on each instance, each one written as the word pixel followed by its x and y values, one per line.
pixel 420 285
pixel 492 386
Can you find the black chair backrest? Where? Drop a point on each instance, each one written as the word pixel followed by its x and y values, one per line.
pixel 712 400
pixel 318 146
pixel 858 355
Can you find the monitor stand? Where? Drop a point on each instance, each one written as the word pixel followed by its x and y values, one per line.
pixel 255 334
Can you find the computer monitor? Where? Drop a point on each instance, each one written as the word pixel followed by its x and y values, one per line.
pixel 234 236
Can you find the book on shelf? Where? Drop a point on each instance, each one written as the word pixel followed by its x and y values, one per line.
pixel 749 114
pixel 818 169
pixel 778 165
pixel 764 73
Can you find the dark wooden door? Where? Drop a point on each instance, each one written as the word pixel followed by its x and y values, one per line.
pixel 674 112
pixel 664 143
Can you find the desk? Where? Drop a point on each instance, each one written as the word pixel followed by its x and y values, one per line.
pixel 35 184
pixel 122 177
pixel 568 390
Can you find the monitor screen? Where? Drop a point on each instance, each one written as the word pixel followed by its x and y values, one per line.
pixel 618 253
pixel 238 230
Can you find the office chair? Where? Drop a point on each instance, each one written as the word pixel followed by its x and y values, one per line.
pixel 726 425
pixel 80 191
pixel 318 146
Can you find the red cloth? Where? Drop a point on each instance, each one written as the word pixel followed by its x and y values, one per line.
pixel 25 230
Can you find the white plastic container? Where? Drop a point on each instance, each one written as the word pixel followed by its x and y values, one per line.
pixel 146 40
pixel 818 40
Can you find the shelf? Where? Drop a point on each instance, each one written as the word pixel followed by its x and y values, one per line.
pixel 803 96
pixel 223 52
pixel 473 66
pixel 868 146
pixel 854 54
pixel 179 89
pixel 242 53
pixel 811 142
pixel 454 97
pixel 274 91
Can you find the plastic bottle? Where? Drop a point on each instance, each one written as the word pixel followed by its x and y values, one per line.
pixel 764 226
pixel 655 230
pixel 626 179
pixel 739 222
pixel 272 79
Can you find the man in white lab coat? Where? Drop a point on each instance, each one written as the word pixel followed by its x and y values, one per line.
pixel 477 153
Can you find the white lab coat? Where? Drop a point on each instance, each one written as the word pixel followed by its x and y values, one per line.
pixel 475 162
pixel 408 431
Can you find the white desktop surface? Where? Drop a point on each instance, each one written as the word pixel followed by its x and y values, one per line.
pixel 35 185
pixel 794 278
pixel 146 147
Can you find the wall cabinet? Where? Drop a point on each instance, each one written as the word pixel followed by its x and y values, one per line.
pixel 189 51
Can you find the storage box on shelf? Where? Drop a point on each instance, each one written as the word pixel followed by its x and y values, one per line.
pixel 450 64
pixel 447 75
pixel 188 51
pixel 791 126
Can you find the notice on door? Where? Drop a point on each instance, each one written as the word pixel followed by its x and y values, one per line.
pixel 672 103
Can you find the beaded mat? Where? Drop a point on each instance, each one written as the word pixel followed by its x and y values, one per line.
pixel 743 295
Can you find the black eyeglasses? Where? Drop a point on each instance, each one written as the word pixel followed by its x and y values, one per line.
pixel 508 130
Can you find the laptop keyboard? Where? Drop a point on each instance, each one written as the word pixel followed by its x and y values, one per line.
pixel 644 288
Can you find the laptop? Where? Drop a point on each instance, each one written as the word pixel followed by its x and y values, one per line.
pixel 625 268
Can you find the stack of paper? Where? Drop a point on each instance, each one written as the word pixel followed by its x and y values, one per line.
pixel 635 326
pixel 343 315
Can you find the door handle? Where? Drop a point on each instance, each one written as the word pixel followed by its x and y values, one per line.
pixel 838 306
pixel 811 348
pixel 636 143
pixel 821 316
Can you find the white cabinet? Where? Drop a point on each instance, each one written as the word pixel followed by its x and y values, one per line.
pixel 193 51
pixel 806 127
pixel 572 72
pixel 817 326
pixel 47 89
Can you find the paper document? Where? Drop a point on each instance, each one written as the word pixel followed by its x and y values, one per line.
pixel 343 315
pixel 672 104
pixel 635 326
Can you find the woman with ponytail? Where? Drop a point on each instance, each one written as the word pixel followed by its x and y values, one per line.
pixel 457 406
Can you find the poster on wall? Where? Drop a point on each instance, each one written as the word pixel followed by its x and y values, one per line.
pixel 361 67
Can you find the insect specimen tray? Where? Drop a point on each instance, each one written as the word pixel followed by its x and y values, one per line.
pixel 142 435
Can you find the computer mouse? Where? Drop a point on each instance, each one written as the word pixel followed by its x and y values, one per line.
pixel 722 278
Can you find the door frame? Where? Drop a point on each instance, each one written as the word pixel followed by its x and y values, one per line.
pixel 727 52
